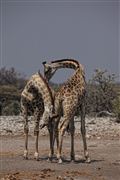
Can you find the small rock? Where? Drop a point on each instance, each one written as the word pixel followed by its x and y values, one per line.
pixel 21 125
pixel 59 177
pixel 98 138
pixel 71 178
pixel 88 136
pixel 64 178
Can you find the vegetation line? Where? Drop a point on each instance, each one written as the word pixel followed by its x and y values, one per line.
pixel 102 93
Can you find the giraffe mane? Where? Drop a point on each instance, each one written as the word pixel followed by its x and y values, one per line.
pixel 61 60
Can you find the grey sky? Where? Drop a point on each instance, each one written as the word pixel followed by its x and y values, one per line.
pixel 35 31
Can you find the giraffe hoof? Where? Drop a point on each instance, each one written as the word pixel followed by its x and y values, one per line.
pixel 49 159
pixel 72 160
pixel 25 157
pixel 36 156
pixel 88 160
pixel 60 161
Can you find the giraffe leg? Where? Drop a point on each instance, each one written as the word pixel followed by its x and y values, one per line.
pixel 36 133
pixel 72 131
pixel 83 132
pixel 61 134
pixel 53 132
pixel 57 137
pixel 36 154
pixel 26 130
pixel 24 113
pixel 51 153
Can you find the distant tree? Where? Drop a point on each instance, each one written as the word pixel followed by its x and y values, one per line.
pixel 101 92
pixel 11 85
pixel 11 77
pixel 116 108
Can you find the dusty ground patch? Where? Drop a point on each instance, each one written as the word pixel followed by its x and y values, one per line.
pixel 103 139
pixel 104 152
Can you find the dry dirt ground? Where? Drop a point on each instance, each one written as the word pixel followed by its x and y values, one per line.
pixel 104 153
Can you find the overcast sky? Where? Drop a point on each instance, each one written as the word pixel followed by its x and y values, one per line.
pixel 36 31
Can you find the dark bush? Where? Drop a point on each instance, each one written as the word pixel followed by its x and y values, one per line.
pixel 12 108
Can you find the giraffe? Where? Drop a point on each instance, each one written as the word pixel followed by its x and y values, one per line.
pixel 37 98
pixel 69 101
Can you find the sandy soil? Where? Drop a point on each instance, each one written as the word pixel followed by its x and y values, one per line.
pixel 104 153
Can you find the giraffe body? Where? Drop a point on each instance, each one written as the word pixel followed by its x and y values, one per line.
pixel 69 101
pixel 36 99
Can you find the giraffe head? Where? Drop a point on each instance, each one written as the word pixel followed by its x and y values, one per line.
pixel 48 116
pixel 51 67
pixel 49 70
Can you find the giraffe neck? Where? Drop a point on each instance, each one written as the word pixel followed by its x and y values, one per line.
pixel 37 82
pixel 44 89
pixel 70 63
pixel 65 63
pixel 78 77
